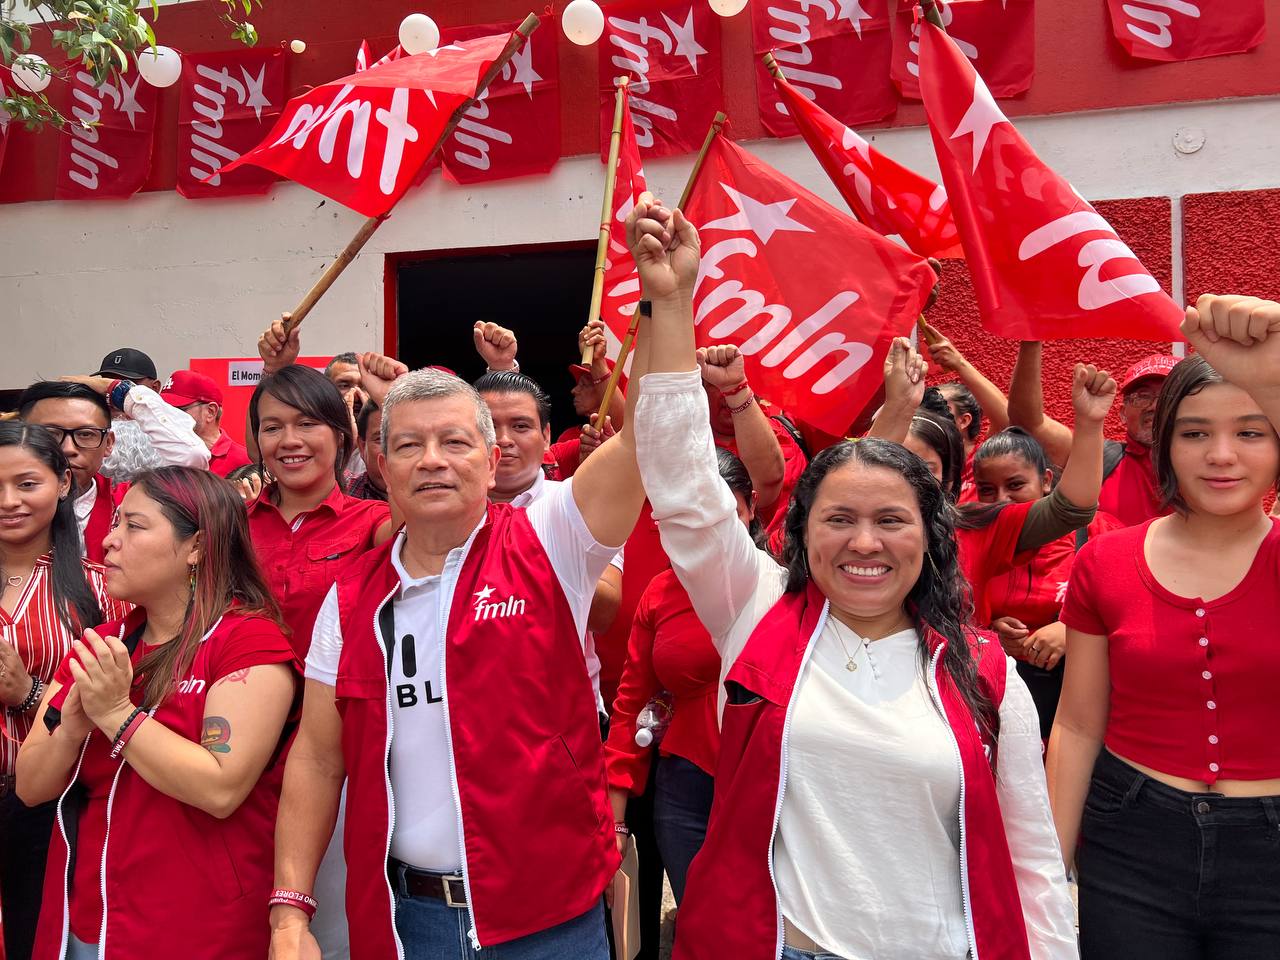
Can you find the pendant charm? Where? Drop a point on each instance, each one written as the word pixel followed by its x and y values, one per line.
pixel 14 581
pixel 851 666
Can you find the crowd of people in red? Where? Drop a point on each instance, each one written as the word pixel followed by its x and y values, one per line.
pixel 406 679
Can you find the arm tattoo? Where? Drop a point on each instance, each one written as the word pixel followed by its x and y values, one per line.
pixel 216 737
pixel 237 676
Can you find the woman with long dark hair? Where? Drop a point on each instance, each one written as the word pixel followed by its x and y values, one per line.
pixel 857 812
pixel 48 595
pixel 1011 467
pixel 1163 764
pixel 670 651
pixel 160 738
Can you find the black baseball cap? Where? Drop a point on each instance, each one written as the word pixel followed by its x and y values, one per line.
pixel 127 364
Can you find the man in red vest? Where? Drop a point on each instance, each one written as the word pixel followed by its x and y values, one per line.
pixel 446 683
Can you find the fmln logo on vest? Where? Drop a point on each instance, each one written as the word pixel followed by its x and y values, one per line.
pixel 487 609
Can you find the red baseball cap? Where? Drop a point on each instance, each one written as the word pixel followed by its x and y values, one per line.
pixel 577 370
pixel 186 387
pixel 1158 365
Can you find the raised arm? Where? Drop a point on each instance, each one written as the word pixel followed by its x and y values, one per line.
pixel 1240 338
pixel 606 487
pixel 496 345
pixel 170 431
pixel 1026 404
pixel 995 405
pixel 724 368
pixel 592 335
pixel 904 385
pixel 277 349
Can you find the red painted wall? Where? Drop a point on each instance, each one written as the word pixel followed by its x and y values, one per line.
pixel 1231 243
pixel 1146 225
pixel 1079 66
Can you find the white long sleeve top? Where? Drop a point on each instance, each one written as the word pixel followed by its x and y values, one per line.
pixel 867 849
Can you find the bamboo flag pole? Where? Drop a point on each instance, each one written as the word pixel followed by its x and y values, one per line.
pixel 630 338
pixel 370 226
pixel 606 211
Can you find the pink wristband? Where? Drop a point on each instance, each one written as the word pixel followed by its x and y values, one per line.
pixel 293 898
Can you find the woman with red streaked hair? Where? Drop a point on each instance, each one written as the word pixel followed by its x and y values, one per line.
pixel 169 853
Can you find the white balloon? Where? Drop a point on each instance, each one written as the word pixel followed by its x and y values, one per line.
pixel 160 66
pixel 728 8
pixel 298 46
pixel 419 34
pixel 31 72
pixel 582 22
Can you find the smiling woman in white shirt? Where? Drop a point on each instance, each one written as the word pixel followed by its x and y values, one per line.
pixel 879 791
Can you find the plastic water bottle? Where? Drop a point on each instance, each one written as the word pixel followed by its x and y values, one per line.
pixel 653 720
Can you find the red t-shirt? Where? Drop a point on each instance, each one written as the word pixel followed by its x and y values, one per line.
pixel 774 514
pixel 1193 682
pixel 1033 593
pixel 1129 494
pixel 237 642
pixel 968 488
pixel 226 455
pixel 669 650
pixel 989 551
pixel 302 560
pixel 563 454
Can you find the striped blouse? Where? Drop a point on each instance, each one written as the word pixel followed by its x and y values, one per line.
pixel 42 640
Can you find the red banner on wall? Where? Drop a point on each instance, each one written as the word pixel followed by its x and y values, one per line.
pixel 836 55
pixel 670 49
pixel 5 86
pixel 111 158
pixel 229 103
pixel 1187 30
pixel 514 129
pixel 998 37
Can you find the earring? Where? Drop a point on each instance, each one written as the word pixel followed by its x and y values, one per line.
pixel 191 575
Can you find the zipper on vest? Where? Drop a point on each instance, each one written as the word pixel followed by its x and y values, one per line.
pixel 66 870
pixel 964 844
pixel 446 605
pixel 102 879
pixel 386 772
pixel 782 774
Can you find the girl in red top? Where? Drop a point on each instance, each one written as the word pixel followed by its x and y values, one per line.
pixel 47 594
pixel 304 525
pixel 1164 765
pixel 1011 467
pixel 160 736
pixel 671 651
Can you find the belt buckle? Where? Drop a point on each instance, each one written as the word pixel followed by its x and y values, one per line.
pixel 446 884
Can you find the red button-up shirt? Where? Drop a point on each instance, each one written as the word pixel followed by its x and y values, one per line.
pixel 302 559
pixel 226 455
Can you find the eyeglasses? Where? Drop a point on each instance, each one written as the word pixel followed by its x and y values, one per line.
pixel 85 438
pixel 1140 398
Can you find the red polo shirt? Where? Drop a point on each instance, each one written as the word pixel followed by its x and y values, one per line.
pixel 226 455
pixel 1129 494
pixel 302 559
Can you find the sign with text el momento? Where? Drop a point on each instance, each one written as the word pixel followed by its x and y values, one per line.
pixel 237 377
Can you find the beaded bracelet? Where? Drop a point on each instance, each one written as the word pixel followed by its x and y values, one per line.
pixel 33 696
pixel 293 898
pixel 127 730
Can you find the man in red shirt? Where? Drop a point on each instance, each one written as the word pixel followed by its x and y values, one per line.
pixel 1129 489
pixel 199 397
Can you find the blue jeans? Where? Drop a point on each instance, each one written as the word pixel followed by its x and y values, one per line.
pixel 432 930
pixel 681 807
pixel 791 953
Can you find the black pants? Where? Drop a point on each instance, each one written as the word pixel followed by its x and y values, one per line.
pixel 1046 690
pixel 1169 875
pixel 24 847
pixel 681 808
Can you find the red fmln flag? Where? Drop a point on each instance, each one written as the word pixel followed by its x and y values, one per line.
pixel 5 82
pixel 361 139
pixel 112 158
pixel 514 129
pixel 810 296
pixel 1045 265
pixel 999 36
pixel 670 50
pixel 364 58
pixel 886 196
pixel 229 102
pixel 1187 29
pixel 621 280
pixel 837 54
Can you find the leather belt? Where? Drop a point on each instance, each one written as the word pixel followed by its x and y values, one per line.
pixel 448 887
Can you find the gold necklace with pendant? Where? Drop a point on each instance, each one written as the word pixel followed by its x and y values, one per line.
pixel 849 664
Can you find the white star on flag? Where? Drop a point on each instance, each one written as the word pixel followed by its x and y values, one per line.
pixel 982 115
pixel 483 595
pixel 522 60
pixel 431 94
pixel 687 45
pixel 852 11
pixel 762 219
pixel 253 88
pixel 129 99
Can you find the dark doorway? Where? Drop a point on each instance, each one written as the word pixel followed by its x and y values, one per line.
pixel 542 293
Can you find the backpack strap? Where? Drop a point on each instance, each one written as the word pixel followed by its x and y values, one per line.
pixel 1112 453
pixel 793 432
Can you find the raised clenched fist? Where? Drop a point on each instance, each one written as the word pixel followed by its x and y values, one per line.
pixel 278 346
pixel 1092 393
pixel 722 366
pixel 496 345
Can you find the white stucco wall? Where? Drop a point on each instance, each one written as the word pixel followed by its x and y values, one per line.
pixel 182 278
